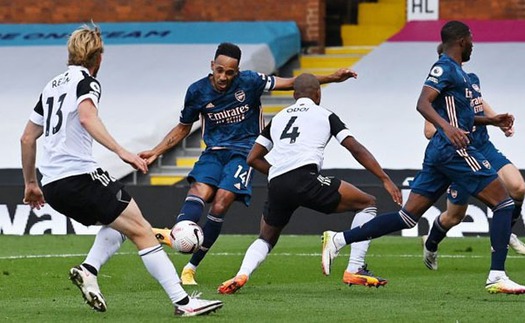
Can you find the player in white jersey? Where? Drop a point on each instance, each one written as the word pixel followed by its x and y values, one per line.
pixel 66 114
pixel 290 150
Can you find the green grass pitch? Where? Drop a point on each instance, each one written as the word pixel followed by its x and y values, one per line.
pixel 288 287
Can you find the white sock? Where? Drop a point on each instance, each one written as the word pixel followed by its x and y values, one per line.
pixel 191 266
pixel 255 254
pixel 161 268
pixel 107 242
pixel 359 249
pixel 495 275
pixel 339 240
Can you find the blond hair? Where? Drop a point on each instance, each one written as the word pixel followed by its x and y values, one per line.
pixel 85 46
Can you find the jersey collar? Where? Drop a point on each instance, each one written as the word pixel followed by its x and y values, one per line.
pixel 305 101
pixel 79 68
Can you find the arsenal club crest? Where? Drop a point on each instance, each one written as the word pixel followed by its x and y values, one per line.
pixel 240 96
pixel 486 164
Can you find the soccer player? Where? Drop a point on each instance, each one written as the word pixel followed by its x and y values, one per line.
pixel 228 101
pixel 445 101
pixel 457 197
pixel 66 114
pixel 290 151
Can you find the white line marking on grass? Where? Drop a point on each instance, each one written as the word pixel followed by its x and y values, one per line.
pixel 66 255
pixel 229 254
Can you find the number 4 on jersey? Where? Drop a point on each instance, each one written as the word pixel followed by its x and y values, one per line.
pixel 293 133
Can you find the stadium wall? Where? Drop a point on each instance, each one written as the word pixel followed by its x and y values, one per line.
pixel 146 70
pixel 481 9
pixel 308 14
pixel 160 205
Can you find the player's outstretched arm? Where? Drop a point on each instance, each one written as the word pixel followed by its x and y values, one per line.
pixel 173 138
pixel 365 158
pixel 338 76
pixel 89 119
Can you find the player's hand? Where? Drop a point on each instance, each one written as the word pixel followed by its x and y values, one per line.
pixel 344 74
pixel 509 132
pixel 134 160
pixel 149 156
pixel 394 191
pixel 457 137
pixel 503 120
pixel 33 196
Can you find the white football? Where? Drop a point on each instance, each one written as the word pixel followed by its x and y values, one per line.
pixel 186 237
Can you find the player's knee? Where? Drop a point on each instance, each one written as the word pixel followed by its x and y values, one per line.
pixel 517 191
pixel 366 202
pixel 371 200
pixel 220 207
pixel 141 235
pixel 448 220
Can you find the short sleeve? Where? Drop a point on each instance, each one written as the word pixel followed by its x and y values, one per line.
pixel 267 81
pixel 265 138
pixel 89 88
pixel 439 77
pixel 337 128
pixel 37 115
pixel 190 112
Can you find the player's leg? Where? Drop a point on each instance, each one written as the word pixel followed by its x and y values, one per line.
pixel 107 242
pixel 204 179
pixel 97 198
pixel 515 184
pixel 509 174
pixel 139 231
pixel 211 230
pixel 471 170
pixel 496 197
pixel 191 209
pixel 233 184
pixel 457 203
pixel 198 194
pixel 254 256
pixel 283 200
pixel 357 272
pixel 428 185
pixel 83 198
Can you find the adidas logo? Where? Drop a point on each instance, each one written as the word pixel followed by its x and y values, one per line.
pixel 210 105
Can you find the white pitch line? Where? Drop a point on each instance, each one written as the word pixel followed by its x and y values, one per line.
pixel 227 254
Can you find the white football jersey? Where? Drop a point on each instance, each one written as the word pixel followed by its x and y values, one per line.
pixel 298 135
pixel 67 146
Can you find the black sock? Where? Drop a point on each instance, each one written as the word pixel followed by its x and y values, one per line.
pixel 436 235
pixel 183 301
pixel 90 268
pixel 516 212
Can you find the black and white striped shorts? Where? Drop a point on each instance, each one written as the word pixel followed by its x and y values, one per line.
pixel 93 198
